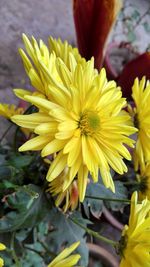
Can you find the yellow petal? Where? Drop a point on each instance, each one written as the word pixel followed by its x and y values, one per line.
pixel 82 181
pixel 57 166
pixel 46 127
pixel 54 146
pixel 36 143
pixel 30 121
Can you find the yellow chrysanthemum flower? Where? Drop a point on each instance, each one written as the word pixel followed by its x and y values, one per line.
pixel 2 247
pixel 41 60
pixel 70 197
pixel 141 114
pixel 64 259
pixel 8 111
pixel 84 123
pixel 135 241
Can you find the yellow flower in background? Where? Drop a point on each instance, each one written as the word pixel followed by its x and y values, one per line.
pixel 2 247
pixel 84 123
pixel 69 198
pixel 135 241
pixel 8 111
pixel 141 113
pixel 39 63
pixel 64 259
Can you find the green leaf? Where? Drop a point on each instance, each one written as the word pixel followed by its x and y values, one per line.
pixel 6 172
pixel 20 161
pixel 93 205
pixel 121 193
pixel 22 234
pixel 28 209
pixel 99 190
pixel 32 259
pixel 7 185
pixel 67 232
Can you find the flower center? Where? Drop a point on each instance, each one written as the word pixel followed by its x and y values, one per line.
pixel 89 123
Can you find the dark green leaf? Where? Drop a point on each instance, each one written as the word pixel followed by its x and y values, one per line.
pixel 95 206
pixel 6 172
pixel 121 193
pixel 20 161
pixel 66 232
pixel 7 185
pixel 32 259
pixel 22 234
pixel 28 209
pixel 99 190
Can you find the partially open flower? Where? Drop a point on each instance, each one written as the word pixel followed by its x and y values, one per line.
pixel 39 63
pixel 135 241
pixel 67 198
pixel 141 116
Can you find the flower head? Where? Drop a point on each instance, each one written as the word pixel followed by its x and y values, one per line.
pixel 8 111
pixel 84 124
pixel 135 241
pixel 69 198
pixel 141 114
pixel 39 63
pixel 2 247
pixel 64 259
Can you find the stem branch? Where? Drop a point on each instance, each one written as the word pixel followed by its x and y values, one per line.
pixel 95 234
pixel 18 264
pixel 4 134
pixel 110 199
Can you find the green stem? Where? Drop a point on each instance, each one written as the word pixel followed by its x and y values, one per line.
pixel 4 134
pixel 15 139
pixel 131 183
pixel 110 199
pixel 18 264
pixel 95 234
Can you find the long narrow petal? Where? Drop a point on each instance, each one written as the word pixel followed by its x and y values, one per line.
pixel 36 143
pixel 57 166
